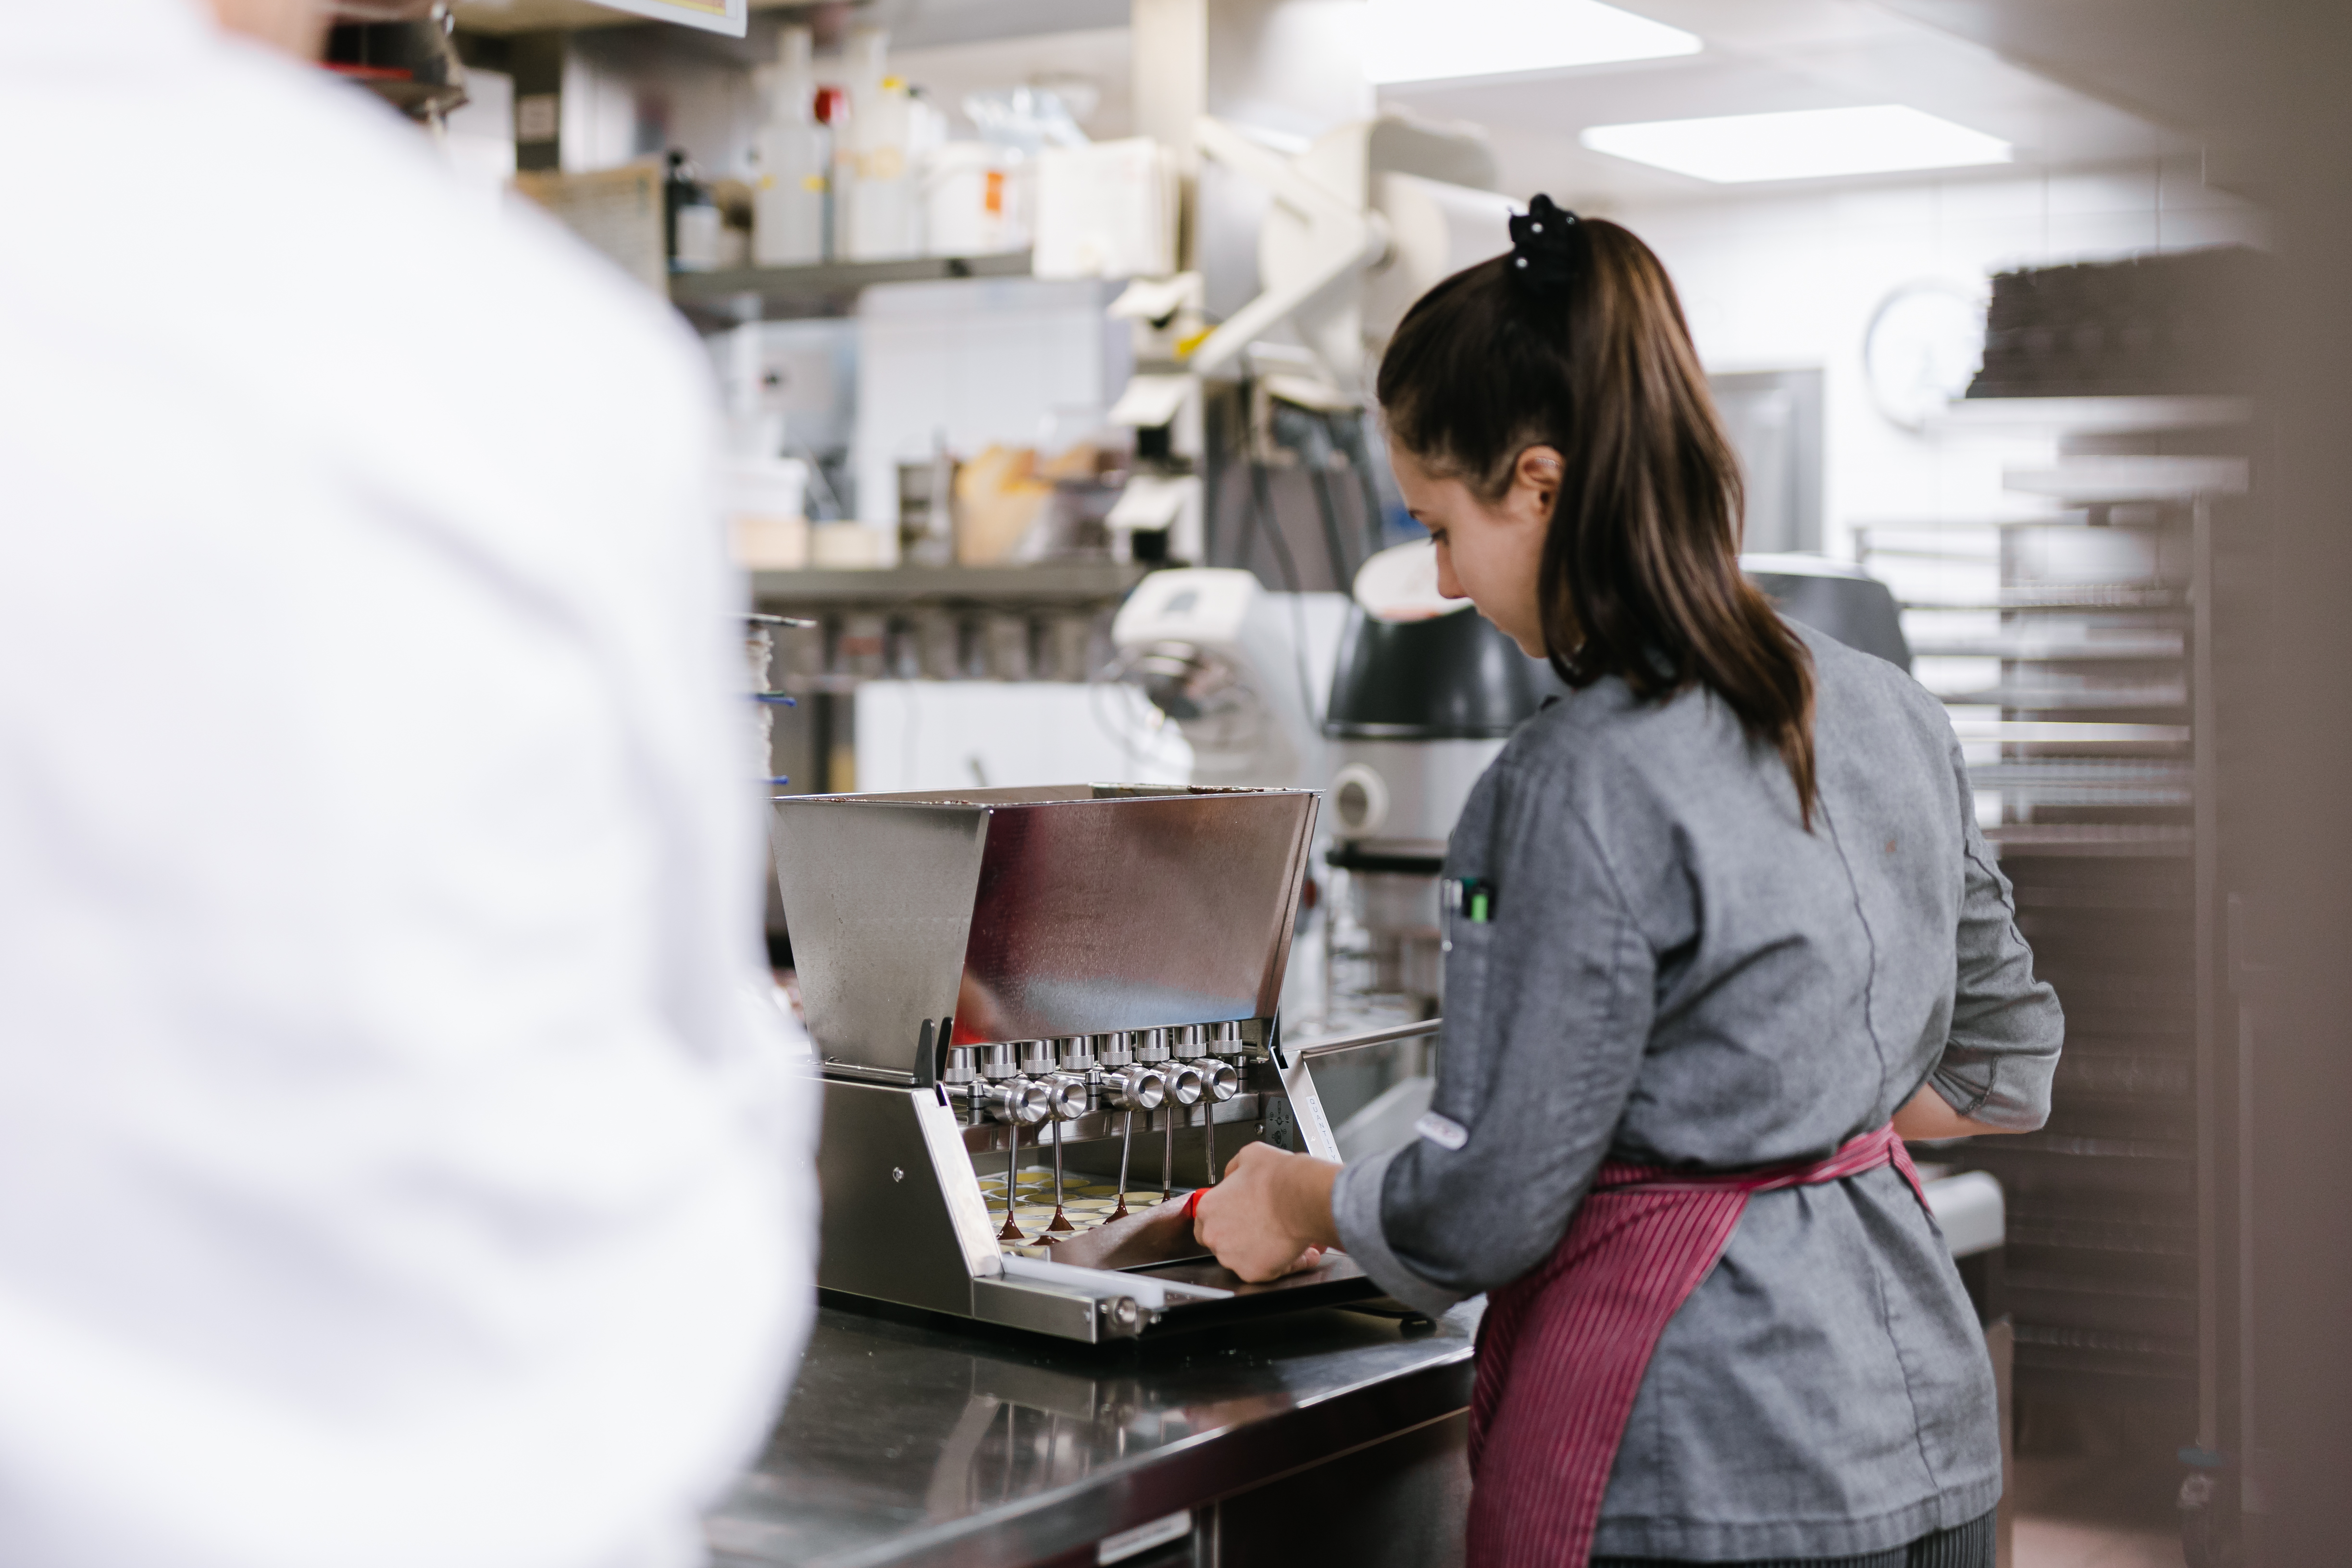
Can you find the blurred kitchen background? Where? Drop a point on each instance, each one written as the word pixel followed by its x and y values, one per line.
pixel 1026 311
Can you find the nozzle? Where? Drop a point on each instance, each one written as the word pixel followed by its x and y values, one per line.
pixel 1136 1089
pixel 1024 1101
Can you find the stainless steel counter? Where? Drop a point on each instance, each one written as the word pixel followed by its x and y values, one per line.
pixel 1316 1436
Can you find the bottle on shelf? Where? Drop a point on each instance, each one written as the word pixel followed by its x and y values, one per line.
pixel 691 221
pixel 796 152
pixel 878 201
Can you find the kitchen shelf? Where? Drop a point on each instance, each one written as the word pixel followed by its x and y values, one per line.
pixel 2061 732
pixel 2140 1238
pixel 2126 1074
pixel 2055 650
pixel 2111 480
pixel 2059 596
pixel 824 288
pixel 1046 581
pixel 1963 532
pixel 2041 783
pixel 2088 415
pixel 2068 699
pixel 2120 773
pixel 2131 839
pixel 2066 796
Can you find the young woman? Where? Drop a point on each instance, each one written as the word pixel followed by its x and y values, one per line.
pixel 1731 933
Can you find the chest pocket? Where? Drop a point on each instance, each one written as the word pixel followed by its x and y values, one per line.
pixel 1465 1053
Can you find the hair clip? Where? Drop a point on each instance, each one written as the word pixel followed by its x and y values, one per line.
pixel 1544 246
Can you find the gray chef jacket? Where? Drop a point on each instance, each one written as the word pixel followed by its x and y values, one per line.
pixel 1676 971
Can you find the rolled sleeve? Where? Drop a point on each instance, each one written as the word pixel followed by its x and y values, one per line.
pixel 2007 1027
pixel 1356 1211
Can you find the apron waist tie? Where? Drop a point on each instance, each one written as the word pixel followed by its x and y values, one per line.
pixel 1544 1435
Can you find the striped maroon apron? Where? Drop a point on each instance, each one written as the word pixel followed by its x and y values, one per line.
pixel 1562 1351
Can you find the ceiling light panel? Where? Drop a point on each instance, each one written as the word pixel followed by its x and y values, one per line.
pixel 1445 40
pixel 1800 144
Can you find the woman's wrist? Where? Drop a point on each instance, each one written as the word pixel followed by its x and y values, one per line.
pixel 1307 1200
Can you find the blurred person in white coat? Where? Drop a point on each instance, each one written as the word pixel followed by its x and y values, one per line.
pixel 395 1164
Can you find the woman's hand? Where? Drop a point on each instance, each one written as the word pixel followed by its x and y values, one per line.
pixel 1272 1214
pixel 1928 1117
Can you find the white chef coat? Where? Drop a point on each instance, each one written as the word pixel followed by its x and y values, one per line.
pixel 392 1169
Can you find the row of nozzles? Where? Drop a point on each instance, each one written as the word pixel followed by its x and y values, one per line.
pixel 1028 1081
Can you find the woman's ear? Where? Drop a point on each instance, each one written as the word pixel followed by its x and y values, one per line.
pixel 1535 479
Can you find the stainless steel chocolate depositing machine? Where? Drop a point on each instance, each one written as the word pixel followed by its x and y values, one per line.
pixel 1084 974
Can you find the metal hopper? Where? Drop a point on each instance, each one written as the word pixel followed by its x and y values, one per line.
pixel 1036 914
pixel 990 973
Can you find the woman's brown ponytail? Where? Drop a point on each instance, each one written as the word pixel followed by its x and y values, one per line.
pixel 1577 342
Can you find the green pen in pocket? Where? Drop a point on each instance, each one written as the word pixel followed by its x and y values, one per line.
pixel 1477 901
